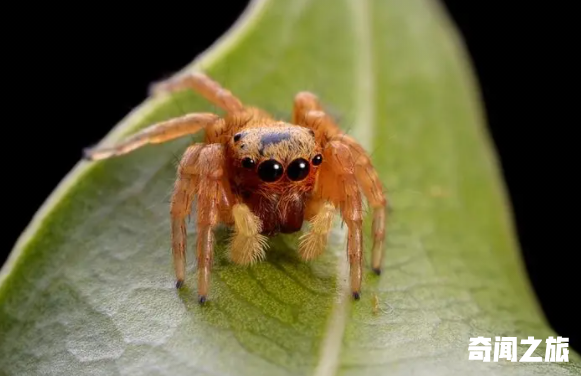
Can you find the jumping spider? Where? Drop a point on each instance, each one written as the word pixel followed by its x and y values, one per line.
pixel 263 176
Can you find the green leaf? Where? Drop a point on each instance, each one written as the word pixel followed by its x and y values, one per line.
pixel 89 288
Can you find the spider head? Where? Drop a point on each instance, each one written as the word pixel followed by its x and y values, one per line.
pixel 278 156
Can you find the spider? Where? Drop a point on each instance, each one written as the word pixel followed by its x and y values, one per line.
pixel 262 176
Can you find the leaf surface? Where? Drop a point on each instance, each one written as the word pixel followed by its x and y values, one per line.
pixel 89 288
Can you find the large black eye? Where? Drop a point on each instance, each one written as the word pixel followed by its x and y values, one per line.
pixel 248 163
pixel 270 171
pixel 317 159
pixel 298 169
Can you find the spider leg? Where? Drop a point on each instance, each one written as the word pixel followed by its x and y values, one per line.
pixel 181 205
pixel 205 86
pixel 371 186
pixel 304 102
pixel 338 184
pixel 200 174
pixel 308 112
pixel 156 133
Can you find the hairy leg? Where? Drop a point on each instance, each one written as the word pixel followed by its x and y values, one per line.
pixel 368 179
pixel 308 112
pixel 181 205
pixel 321 215
pixel 213 184
pixel 304 102
pixel 338 184
pixel 200 174
pixel 156 133
pixel 205 86
pixel 372 188
pixel 247 244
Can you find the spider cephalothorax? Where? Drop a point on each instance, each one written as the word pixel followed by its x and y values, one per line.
pixel 262 176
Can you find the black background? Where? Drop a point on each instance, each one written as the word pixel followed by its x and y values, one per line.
pixel 95 65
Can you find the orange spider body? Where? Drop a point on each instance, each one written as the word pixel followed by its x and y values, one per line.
pixel 262 176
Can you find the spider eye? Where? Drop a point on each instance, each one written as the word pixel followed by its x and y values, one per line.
pixel 298 169
pixel 270 171
pixel 317 160
pixel 248 163
pixel 237 137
